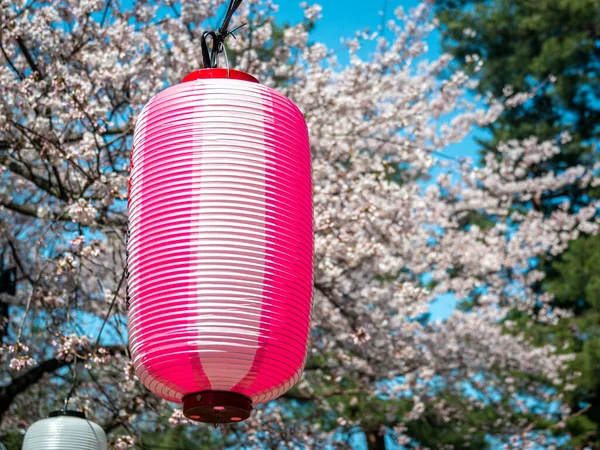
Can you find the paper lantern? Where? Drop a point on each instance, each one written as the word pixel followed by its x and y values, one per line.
pixel 220 245
pixel 65 430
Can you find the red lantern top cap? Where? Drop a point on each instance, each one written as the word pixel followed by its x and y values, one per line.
pixel 219 73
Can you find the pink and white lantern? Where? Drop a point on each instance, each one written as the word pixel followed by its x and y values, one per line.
pixel 220 245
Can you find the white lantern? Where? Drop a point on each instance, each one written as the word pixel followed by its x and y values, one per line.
pixel 65 430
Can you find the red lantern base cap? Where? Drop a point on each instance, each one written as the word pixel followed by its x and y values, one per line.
pixel 219 73
pixel 217 407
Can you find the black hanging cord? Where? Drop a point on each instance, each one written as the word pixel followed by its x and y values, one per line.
pixel 218 37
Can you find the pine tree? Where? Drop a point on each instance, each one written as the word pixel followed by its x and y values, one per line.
pixel 550 49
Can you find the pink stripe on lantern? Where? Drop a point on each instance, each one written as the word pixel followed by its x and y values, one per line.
pixel 162 350
pixel 289 278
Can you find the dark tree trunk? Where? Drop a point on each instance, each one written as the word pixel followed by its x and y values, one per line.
pixel 375 440
pixel 8 285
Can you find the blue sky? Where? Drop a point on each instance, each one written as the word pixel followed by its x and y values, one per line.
pixel 342 19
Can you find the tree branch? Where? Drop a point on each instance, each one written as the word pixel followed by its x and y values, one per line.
pixel 28 57
pixel 19 169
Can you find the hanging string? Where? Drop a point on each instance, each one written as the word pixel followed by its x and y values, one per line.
pixel 218 37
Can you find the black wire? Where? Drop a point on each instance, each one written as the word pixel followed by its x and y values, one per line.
pixel 233 6
pixel 218 37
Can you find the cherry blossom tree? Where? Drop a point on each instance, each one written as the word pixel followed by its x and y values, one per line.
pixel 389 239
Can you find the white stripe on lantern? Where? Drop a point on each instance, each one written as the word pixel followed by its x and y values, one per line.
pixel 228 320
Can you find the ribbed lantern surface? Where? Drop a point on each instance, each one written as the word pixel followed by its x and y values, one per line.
pixel 65 432
pixel 220 244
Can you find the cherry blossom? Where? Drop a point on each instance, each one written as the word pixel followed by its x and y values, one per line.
pixel 389 239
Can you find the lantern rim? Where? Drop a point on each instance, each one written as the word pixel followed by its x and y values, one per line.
pixel 233 74
pixel 68 413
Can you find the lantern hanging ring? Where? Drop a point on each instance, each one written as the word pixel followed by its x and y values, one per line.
pixel 210 59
